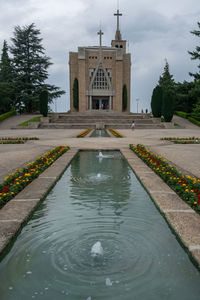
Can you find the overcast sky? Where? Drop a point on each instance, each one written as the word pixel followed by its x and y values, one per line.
pixel 154 29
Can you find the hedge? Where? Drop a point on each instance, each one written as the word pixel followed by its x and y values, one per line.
pixel 7 115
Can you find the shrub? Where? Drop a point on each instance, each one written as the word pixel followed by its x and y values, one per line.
pixel 156 102
pixel 124 97
pixel 75 94
pixel 182 114
pixel 194 121
pixel 44 103
pixel 7 115
pixel 168 105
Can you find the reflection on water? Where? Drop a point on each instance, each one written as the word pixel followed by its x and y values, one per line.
pixel 98 206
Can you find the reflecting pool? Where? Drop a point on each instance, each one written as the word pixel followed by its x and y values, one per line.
pixel 97 235
pixel 99 133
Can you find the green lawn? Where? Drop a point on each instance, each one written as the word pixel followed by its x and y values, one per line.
pixel 35 119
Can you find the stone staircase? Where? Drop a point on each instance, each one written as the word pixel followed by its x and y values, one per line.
pixel 103 119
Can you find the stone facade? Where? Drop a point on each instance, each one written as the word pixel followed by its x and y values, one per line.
pixel 101 72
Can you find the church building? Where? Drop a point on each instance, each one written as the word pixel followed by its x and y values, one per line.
pixel 100 76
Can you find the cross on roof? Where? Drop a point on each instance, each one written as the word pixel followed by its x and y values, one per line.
pixel 118 14
pixel 100 33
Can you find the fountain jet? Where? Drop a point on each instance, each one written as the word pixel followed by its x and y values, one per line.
pixel 97 249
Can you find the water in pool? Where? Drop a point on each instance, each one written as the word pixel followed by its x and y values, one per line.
pixel 97 235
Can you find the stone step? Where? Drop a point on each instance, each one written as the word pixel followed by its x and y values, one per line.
pixel 93 126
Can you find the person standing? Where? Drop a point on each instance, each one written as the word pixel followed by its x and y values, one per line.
pixel 133 125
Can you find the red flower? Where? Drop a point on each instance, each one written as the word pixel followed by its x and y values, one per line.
pixel 5 189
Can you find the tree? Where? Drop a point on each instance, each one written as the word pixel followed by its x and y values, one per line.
pixel 6 71
pixel 196 54
pixel 156 102
pixel 75 94
pixel 167 105
pixel 196 111
pixel 44 103
pixel 166 81
pixel 124 97
pixel 6 78
pixel 186 95
pixel 30 67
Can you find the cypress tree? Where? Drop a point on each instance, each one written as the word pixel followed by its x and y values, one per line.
pixel 44 103
pixel 156 102
pixel 124 97
pixel 75 94
pixel 167 105
pixel 30 67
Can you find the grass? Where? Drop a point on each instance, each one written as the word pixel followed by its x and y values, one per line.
pixel 7 115
pixel 35 119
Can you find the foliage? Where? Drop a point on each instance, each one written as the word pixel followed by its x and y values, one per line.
pixel 196 111
pixel 6 96
pixel 124 97
pixel 76 94
pixel 156 102
pixel 7 115
pixel 26 138
pixel 196 53
pixel 186 95
pixel 6 77
pixel 44 103
pixel 84 133
pixel 182 114
pixel 115 133
pixel 30 66
pixel 35 119
pixel 17 181
pixel 6 70
pixel 166 81
pixel 194 121
pixel 168 105
pixel 187 187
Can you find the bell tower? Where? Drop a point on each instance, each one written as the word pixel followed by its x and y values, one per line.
pixel 118 42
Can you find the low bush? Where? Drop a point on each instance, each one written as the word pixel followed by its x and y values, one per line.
pixel 194 121
pixel 7 115
pixel 182 114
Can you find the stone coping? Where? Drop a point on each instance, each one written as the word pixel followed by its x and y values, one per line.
pixel 183 220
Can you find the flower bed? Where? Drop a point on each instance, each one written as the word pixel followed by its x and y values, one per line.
pixel 115 133
pixel 10 138
pixel 12 142
pixel 180 139
pixel 84 133
pixel 16 181
pixel 183 140
pixel 16 140
pixel 187 187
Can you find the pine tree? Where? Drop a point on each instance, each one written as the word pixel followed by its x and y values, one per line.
pixel 166 81
pixel 30 66
pixel 196 54
pixel 6 81
pixel 6 71
pixel 44 103
pixel 156 102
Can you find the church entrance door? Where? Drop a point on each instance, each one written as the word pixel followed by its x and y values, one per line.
pixel 99 103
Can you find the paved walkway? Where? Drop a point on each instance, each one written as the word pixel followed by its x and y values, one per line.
pixel 12 156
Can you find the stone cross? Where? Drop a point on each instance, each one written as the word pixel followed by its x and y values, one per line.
pixel 100 33
pixel 118 14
